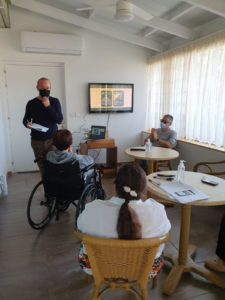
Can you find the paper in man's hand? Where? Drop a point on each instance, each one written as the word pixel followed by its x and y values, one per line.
pixel 39 127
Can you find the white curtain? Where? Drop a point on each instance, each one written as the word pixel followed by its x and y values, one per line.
pixel 189 83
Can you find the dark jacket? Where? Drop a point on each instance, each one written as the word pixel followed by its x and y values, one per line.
pixel 45 116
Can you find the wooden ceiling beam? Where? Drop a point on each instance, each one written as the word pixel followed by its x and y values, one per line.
pixel 169 27
pixel 173 15
pixel 214 6
pixel 4 12
pixel 70 18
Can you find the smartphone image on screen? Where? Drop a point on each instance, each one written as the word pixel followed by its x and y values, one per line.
pixel 208 181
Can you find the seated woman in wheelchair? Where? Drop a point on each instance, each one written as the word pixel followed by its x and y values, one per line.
pixel 61 180
pixel 63 140
pixel 125 216
pixel 68 178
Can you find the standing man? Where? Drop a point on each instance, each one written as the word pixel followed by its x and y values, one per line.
pixel 46 111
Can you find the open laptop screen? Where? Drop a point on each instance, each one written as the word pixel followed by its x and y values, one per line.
pixel 97 132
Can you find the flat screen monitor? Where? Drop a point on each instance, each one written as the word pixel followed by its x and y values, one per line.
pixel 110 97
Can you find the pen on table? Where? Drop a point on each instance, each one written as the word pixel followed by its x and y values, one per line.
pixel 154 183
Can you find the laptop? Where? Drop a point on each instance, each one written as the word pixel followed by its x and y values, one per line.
pixel 97 132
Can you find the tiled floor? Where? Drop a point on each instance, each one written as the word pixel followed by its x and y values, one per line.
pixel 43 265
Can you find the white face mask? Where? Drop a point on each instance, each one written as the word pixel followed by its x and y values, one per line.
pixel 162 125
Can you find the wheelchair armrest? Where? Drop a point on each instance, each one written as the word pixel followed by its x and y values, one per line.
pixel 87 168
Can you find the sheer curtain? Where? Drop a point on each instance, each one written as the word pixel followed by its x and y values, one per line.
pixel 189 83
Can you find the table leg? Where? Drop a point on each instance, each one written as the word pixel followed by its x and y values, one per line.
pixel 184 233
pixel 179 265
pixel 184 262
pixel 136 162
pixel 150 166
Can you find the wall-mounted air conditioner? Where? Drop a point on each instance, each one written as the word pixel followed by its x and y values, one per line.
pixel 39 42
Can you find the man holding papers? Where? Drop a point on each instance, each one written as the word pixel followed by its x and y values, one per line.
pixel 42 115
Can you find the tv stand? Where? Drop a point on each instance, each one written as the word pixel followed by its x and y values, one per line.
pixel 110 168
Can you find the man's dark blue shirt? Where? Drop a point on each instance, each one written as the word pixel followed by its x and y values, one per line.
pixel 45 116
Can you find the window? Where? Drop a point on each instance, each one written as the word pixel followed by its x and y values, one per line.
pixel 189 83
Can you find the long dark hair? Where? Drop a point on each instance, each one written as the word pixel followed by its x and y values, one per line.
pixel 130 185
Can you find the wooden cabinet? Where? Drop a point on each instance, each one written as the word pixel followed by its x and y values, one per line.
pixel 110 168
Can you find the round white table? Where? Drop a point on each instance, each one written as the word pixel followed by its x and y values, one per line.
pixel 184 262
pixel 157 153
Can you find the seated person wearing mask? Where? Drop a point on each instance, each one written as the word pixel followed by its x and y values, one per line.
pixel 161 137
pixel 63 140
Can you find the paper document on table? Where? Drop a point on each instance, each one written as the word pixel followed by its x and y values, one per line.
pixel 182 191
pixel 39 127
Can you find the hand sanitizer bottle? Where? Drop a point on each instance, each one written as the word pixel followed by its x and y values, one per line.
pixel 148 146
pixel 180 171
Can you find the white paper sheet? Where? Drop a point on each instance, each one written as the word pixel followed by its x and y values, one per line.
pixel 39 127
pixel 182 191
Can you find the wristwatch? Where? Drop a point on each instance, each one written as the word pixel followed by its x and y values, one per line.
pixel 157 139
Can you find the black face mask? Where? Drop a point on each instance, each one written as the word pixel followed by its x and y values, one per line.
pixel 44 93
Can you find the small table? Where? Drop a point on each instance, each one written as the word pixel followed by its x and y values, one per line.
pixel 184 263
pixel 111 153
pixel 157 153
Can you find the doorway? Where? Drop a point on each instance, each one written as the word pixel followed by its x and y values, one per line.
pixel 21 81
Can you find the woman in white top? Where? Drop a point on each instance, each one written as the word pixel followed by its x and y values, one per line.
pixel 125 216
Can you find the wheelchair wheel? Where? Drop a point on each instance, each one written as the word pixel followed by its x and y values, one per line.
pixel 40 208
pixel 90 193
pixel 101 193
pixel 63 205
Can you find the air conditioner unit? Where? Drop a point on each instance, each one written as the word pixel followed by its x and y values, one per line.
pixel 39 42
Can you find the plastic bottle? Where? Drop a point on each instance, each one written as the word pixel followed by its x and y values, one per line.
pixel 148 146
pixel 180 171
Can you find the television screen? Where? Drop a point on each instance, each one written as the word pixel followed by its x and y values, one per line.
pixel 110 97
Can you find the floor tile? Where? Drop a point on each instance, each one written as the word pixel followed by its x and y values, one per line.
pixel 43 264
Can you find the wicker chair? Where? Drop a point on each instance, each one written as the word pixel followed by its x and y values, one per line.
pixel 121 264
pixel 208 167
pixel 163 163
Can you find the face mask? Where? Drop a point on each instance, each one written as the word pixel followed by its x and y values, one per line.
pixel 44 93
pixel 162 125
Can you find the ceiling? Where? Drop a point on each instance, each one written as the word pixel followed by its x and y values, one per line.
pixel 4 14
pixel 168 24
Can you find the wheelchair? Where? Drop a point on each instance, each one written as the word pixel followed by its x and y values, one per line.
pixel 62 185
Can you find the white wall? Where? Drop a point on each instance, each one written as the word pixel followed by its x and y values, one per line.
pixel 3 163
pixel 104 60
pixel 3 141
